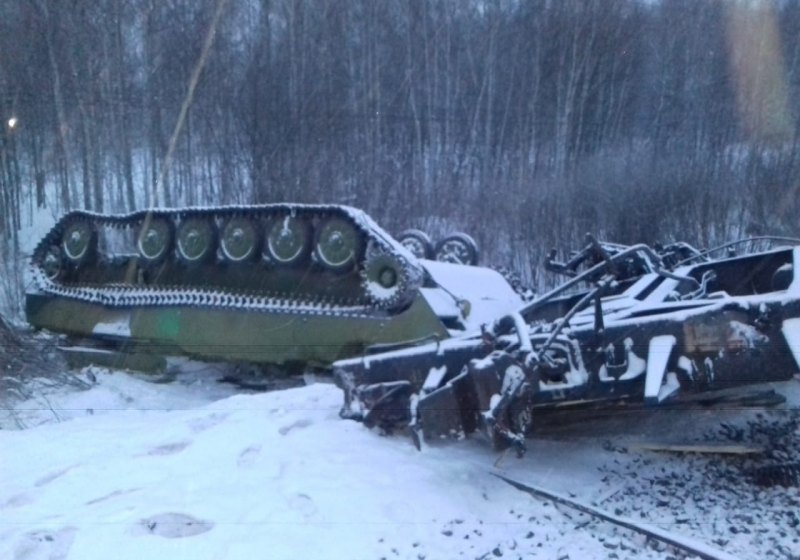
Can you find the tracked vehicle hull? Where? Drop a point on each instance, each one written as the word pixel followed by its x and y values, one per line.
pixel 268 284
pixel 228 334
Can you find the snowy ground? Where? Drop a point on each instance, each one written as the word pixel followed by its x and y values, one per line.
pixel 198 470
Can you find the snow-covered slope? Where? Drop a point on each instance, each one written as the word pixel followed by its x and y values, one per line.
pixel 189 471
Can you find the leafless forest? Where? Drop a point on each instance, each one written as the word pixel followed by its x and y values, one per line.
pixel 523 122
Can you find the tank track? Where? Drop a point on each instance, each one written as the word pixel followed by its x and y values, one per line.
pixel 290 258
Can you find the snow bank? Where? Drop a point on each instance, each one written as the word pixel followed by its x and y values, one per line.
pixel 186 471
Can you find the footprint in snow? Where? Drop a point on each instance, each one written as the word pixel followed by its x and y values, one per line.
pixel 249 456
pixel 45 545
pixel 303 503
pixel 111 495
pixel 169 448
pixel 172 526
pixel 302 423
pixel 206 422
pixel 48 478
pixel 17 500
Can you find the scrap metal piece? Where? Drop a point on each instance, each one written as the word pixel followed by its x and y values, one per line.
pixel 657 357
pixel 791 332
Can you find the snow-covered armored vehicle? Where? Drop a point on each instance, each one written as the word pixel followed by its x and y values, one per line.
pixel 281 284
pixel 629 323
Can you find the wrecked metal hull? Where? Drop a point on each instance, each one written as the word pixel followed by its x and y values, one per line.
pixel 698 327
pixel 286 285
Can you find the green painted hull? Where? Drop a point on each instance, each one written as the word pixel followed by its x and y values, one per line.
pixel 234 335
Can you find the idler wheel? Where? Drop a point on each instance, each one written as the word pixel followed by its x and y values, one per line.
pixel 53 263
pixel 240 240
pixel 338 244
pixel 417 242
pixel 154 239
pixel 196 240
pixel 288 240
pixel 384 280
pixel 79 242
pixel 457 248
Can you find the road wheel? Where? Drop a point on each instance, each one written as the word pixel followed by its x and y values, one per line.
pixel 288 240
pixel 417 242
pixel 196 240
pixel 53 263
pixel 338 245
pixel 154 239
pixel 79 242
pixel 240 239
pixel 457 248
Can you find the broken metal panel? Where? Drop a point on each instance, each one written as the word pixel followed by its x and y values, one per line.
pixel 791 332
pixel 658 355
pixel 412 365
pixel 794 284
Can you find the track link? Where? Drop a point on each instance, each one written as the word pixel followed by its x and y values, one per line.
pixel 301 259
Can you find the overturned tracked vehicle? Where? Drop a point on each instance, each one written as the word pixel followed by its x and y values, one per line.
pixel 279 284
pixel 630 323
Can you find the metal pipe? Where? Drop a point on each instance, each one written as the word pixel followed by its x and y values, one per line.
pixel 538 302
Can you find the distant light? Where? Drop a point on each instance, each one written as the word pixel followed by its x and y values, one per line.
pixel 12 122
